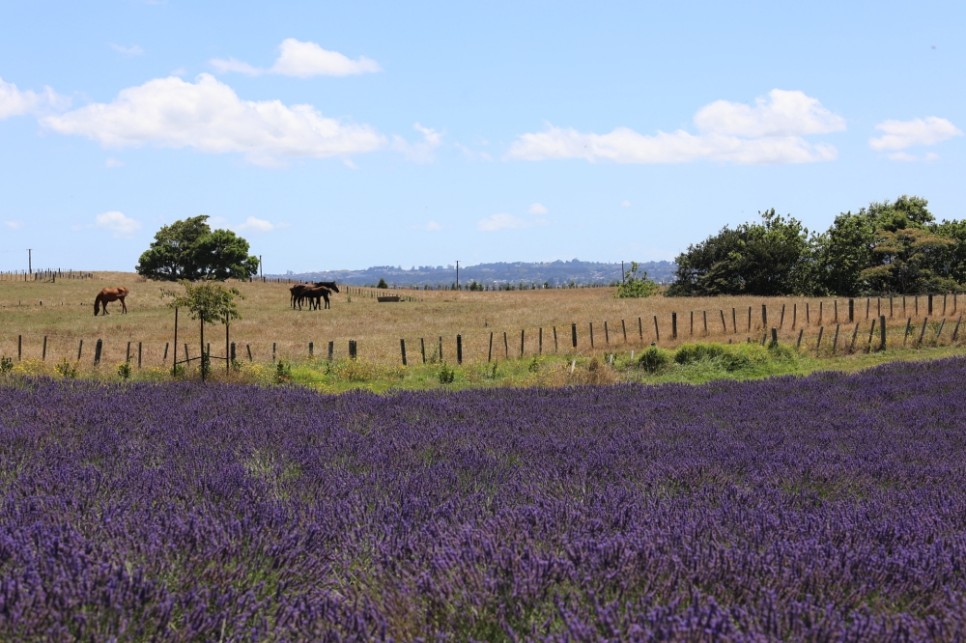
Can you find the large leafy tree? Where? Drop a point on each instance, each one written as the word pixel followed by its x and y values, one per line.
pixel 190 249
pixel 768 258
pixel 890 247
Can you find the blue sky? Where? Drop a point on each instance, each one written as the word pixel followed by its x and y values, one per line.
pixel 353 134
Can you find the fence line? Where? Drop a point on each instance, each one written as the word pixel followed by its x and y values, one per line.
pixel 45 275
pixel 489 346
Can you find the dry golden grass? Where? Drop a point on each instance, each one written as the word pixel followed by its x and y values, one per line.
pixel 62 312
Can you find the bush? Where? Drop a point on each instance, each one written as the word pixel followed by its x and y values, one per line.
pixel 691 353
pixel 654 360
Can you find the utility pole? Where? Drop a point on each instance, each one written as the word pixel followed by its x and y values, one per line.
pixel 30 264
pixel 457 274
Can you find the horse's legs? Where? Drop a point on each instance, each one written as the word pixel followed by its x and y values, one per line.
pixel 123 306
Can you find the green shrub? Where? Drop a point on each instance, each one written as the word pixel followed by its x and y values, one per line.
pixel 691 353
pixel 446 374
pixel 654 360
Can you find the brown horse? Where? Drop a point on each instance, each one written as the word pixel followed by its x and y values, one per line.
pixel 110 294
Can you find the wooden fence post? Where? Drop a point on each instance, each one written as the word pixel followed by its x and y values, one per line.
pixel 908 329
pixel 851 310
pixel 97 351
pixel 781 318
pixel 882 332
pixel 459 349
pixel 922 334
pixel 835 338
pixel 43 355
pixel 80 348
pixel 311 349
pixel 956 330
pixel 591 334
pixel 798 344
pixel 573 333
pixel 764 315
pixel 657 333
pixel 489 354
pixel 352 349
pixel 818 343
pixel 139 355
pixel 331 350
pixel 506 346
pixel 674 325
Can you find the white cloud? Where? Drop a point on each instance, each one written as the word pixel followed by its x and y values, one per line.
pixel 625 203
pixel 783 114
pixel 433 226
pixel 538 209
pixel 128 50
pixel 302 59
pixel 14 102
pixel 208 116
pixel 899 135
pixel 230 65
pixel 771 131
pixel 500 221
pixel 257 225
pixel 13 224
pixel 118 223
pixel 112 162
pixel 420 151
pixel 297 58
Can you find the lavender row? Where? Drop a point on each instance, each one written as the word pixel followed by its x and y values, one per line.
pixel 830 507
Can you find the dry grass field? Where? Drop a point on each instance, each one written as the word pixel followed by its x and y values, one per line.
pixel 54 321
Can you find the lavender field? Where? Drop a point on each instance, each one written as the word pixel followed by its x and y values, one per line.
pixel 831 507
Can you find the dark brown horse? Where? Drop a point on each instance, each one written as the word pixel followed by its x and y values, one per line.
pixel 110 294
pixel 313 292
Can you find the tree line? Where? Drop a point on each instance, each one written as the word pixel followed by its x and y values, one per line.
pixel 895 247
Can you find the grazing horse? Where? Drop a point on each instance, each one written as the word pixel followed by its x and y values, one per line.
pixel 110 294
pixel 313 293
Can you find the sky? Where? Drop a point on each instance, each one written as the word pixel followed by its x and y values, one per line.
pixel 345 135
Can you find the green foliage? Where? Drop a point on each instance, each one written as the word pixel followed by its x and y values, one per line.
pixel 6 364
pixel 654 360
pixel 888 247
pixel 636 285
pixel 447 375
pixel 190 249
pixel 382 284
pixel 66 370
pixel 283 372
pixel 770 258
pixel 207 301
pixel 124 370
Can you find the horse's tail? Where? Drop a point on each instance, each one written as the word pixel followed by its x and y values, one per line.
pixel 97 305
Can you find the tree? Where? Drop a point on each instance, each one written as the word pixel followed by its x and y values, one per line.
pixel 636 284
pixel 190 249
pixel 769 258
pixel 890 247
pixel 208 302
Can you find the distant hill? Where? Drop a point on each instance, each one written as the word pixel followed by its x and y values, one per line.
pixel 555 274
